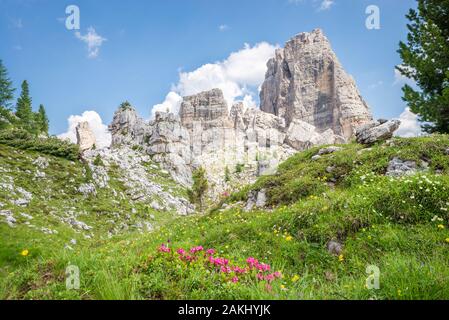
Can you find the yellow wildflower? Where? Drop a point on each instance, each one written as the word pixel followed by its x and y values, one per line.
pixel 295 278
pixel 24 253
pixel 447 240
pixel 440 226
pixel 289 238
pixel 341 258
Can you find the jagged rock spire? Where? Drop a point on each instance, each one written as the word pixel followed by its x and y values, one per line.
pixel 305 81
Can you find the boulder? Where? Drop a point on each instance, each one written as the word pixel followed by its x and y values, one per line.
pixel 334 247
pixel 376 131
pixel 329 150
pixel 398 167
pixel 261 199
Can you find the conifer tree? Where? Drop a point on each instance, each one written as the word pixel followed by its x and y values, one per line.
pixel 6 88
pixel 24 110
pixel 426 61
pixel 199 188
pixel 42 120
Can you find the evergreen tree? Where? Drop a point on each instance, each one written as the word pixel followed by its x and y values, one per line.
pixel 24 110
pixel 6 89
pixel 227 175
pixel 199 188
pixel 42 120
pixel 426 61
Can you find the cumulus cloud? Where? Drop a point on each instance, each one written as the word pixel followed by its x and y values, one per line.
pixel 326 5
pixel 93 40
pixel 171 104
pixel 235 76
pixel 100 130
pixel 410 126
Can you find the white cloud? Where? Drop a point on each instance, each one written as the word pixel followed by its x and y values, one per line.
pixel 410 126
pixel 100 130
pixel 223 27
pixel 171 104
pixel 322 4
pixel 93 40
pixel 326 5
pixel 234 75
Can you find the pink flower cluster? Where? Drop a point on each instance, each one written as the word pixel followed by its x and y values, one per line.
pixel 187 257
pixel 269 277
pixel 254 264
pixel 262 267
pixel 164 248
pixel 218 261
pixel 196 249
pixel 222 264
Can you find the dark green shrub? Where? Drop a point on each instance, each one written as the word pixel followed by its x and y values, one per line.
pixel 21 139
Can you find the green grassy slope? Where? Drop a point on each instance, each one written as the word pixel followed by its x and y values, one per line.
pixel 399 225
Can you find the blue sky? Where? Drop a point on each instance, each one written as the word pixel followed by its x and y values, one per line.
pixel 148 43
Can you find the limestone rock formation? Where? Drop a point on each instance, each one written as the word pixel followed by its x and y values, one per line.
pixel 307 99
pixel 306 82
pixel 376 131
pixel 127 127
pixel 84 136
pixel 168 143
pixel 208 108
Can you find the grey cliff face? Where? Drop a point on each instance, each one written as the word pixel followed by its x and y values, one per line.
pixel 209 108
pixel 84 136
pixel 305 81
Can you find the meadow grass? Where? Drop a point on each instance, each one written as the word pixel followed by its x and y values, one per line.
pixel 399 225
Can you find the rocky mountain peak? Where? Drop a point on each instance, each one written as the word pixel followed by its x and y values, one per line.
pixel 305 81
pixel 126 126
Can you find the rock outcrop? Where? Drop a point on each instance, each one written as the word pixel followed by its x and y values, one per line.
pixel 376 131
pixel 84 136
pixel 127 128
pixel 168 143
pixel 208 108
pixel 306 82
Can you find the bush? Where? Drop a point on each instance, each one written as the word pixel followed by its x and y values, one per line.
pixel 21 139
pixel 239 168
pixel 199 188
pixel 97 161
